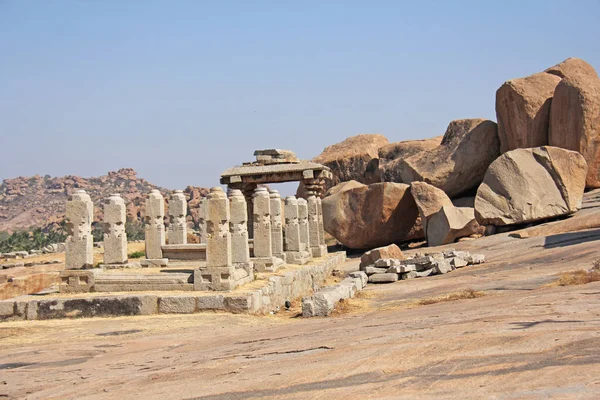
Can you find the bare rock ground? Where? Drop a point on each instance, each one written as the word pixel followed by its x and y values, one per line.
pixel 526 338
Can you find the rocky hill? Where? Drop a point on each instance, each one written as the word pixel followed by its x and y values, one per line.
pixel 40 201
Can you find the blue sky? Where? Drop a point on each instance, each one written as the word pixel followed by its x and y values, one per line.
pixel 182 90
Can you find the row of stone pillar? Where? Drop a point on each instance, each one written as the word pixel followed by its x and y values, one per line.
pixel 79 244
pixel 303 231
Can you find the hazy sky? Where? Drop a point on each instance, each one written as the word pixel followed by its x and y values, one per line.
pixel 182 90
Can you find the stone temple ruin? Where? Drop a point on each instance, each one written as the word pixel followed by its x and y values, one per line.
pixel 247 231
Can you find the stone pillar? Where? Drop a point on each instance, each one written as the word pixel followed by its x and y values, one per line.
pixel 303 222
pixel 115 238
pixel 177 214
pixel 276 224
pixel 248 191
pixel 293 246
pixel 218 274
pixel 155 227
pixel 263 245
pixel 79 245
pixel 315 239
pixel 202 220
pixel 321 229
pixel 240 252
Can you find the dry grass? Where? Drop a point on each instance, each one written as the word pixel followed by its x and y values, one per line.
pixel 361 302
pixel 465 294
pixel 579 277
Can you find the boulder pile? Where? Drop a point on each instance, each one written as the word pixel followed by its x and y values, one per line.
pixel 387 270
pixel 533 165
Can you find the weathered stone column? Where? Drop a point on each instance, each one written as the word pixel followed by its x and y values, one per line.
pixel 202 220
pixel 314 228
pixel 240 252
pixel 248 191
pixel 263 248
pixel 154 229
pixel 321 229
pixel 79 245
pixel 276 224
pixel 115 238
pixel 293 246
pixel 219 270
pixel 303 222
pixel 177 214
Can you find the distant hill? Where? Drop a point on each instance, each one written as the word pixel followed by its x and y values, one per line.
pixel 37 201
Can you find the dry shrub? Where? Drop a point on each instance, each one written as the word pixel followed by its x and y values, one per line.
pixel 359 303
pixel 465 294
pixel 579 277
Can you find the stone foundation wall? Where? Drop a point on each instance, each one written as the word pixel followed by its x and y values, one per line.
pixel 288 285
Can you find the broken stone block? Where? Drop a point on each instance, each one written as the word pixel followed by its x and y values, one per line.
pixel 442 267
pixel 361 275
pixel 375 270
pixel 390 251
pixel 458 262
pixel 400 269
pixel 383 278
pixel 475 259
pixel 416 274
pixel 386 262
pixel 79 216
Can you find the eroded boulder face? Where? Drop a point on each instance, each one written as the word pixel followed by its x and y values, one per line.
pixel 526 185
pixel 429 200
pixel 575 119
pixel 348 160
pixel 458 164
pixel 391 156
pixel 451 223
pixel 523 111
pixel 371 216
pixel 570 67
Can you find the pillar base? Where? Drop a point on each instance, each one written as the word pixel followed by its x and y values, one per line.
pixel 320 251
pixel 77 281
pixel 154 262
pixel 267 264
pixel 216 278
pixel 297 257
pixel 120 266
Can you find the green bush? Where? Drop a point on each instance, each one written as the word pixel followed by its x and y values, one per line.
pixel 137 254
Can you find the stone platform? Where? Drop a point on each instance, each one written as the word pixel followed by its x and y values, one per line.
pixel 266 293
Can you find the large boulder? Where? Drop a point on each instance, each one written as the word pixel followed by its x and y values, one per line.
pixel 526 185
pixel 348 160
pixel 429 200
pixel 575 119
pixel 451 223
pixel 523 111
pixel 391 156
pixel 341 187
pixel 570 67
pixel 458 165
pixel 372 216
